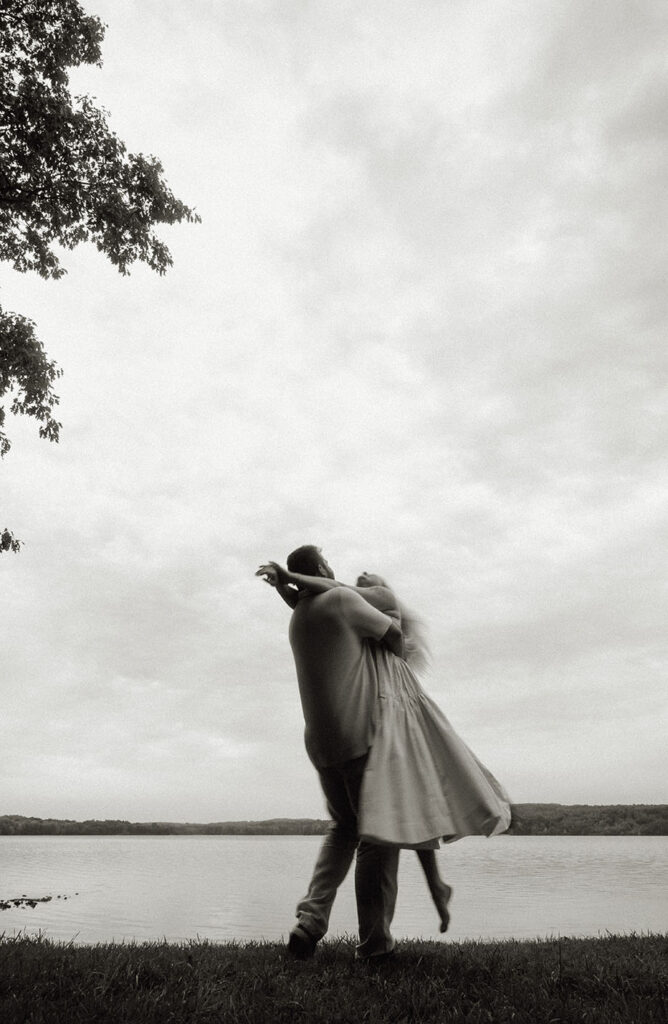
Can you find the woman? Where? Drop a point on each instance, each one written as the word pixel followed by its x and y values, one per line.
pixel 421 782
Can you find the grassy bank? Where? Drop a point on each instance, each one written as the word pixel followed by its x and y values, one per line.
pixel 614 979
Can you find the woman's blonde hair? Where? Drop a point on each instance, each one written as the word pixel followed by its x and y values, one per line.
pixel 416 646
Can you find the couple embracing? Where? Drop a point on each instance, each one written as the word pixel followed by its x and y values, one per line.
pixel 394 773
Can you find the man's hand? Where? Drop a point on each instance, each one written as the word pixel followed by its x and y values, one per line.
pixel 394 640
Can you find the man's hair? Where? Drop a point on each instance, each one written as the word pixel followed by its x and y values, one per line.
pixel 305 560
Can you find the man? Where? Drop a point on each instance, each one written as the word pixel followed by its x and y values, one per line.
pixel 338 690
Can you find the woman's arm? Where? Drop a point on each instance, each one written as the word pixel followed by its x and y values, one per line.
pixel 381 598
pixel 272 571
pixel 315 584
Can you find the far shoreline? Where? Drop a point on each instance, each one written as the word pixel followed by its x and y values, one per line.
pixel 528 819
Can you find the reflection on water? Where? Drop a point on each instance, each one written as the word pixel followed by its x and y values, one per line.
pixel 246 887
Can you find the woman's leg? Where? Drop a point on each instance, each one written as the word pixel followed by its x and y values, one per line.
pixel 440 891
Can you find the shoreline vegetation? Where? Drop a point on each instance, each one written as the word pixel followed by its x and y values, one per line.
pixel 614 979
pixel 527 820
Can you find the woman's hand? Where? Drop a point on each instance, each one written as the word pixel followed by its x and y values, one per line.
pixel 274 574
pixel 268 573
pixel 279 578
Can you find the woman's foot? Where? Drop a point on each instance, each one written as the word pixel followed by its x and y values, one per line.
pixel 441 897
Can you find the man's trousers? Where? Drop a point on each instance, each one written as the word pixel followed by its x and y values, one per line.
pixel 375 869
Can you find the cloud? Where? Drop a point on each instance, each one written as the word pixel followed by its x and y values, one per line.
pixel 419 325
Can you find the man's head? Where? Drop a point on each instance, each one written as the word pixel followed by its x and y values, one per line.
pixel 309 561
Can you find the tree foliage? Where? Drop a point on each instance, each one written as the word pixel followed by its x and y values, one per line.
pixel 25 368
pixel 65 178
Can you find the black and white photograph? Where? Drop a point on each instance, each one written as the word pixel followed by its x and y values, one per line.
pixel 333 511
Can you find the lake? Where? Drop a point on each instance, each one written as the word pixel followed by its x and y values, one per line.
pixel 119 888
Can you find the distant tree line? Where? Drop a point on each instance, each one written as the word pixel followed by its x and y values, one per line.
pixel 17 825
pixel 528 820
pixel 590 820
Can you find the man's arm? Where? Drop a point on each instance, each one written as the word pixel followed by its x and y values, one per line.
pixel 289 594
pixel 369 622
pixel 394 640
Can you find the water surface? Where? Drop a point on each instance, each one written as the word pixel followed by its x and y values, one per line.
pixel 246 887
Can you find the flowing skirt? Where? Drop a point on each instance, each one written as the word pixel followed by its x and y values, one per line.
pixel 422 782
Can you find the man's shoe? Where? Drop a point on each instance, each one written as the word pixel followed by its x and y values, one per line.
pixel 376 959
pixel 301 943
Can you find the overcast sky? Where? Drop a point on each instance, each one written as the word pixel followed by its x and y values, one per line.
pixel 422 324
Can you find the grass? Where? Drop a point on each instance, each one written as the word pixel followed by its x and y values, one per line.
pixel 604 980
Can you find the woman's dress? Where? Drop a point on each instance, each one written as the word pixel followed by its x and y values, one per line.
pixel 422 782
